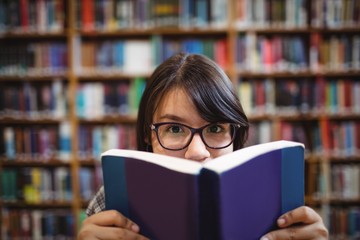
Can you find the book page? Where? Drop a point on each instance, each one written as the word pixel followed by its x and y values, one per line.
pixel 231 160
pixel 173 163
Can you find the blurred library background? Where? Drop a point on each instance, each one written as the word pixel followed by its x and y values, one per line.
pixel 72 73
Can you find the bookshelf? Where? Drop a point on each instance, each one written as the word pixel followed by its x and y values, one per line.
pixel 70 71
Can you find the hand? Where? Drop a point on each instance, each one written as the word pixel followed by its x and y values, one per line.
pixel 300 223
pixel 109 225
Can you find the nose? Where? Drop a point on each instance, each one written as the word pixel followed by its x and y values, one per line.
pixel 197 150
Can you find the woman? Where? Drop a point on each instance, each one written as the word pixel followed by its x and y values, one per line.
pixel 192 95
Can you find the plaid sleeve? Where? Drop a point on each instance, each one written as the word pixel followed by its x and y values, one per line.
pixel 97 204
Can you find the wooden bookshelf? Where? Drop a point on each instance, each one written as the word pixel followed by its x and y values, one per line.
pixel 316 36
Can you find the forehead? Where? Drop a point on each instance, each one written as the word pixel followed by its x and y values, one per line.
pixel 176 98
pixel 176 105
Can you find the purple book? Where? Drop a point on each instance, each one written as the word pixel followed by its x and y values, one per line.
pixel 236 196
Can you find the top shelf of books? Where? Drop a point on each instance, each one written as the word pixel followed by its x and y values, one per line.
pixel 49 17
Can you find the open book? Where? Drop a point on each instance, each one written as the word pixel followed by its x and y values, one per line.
pixel 236 196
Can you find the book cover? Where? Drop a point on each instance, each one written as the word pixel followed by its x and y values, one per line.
pixel 236 196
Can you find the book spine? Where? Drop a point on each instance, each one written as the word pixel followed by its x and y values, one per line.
pixel 37 224
pixel 65 141
pixel 209 202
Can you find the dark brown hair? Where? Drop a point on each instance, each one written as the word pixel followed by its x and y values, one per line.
pixel 208 87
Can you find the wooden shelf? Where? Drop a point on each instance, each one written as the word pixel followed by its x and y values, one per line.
pixel 273 30
pixel 40 205
pixel 34 78
pixel 29 121
pixel 283 116
pixel 154 31
pixel 23 34
pixel 109 76
pixel 334 201
pixel 298 74
pixel 34 163
pixel 110 120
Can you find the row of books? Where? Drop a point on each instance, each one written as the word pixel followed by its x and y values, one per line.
pixel 47 185
pixel 341 221
pixel 33 58
pixel 263 132
pixel 341 139
pixel 36 143
pixel 266 13
pixel 90 180
pixel 305 96
pixel 28 100
pixel 258 97
pixel 345 181
pixel 344 142
pixel 49 143
pixel 338 181
pixel 142 56
pixel 96 139
pixel 37 224
pixel 32 16
pixel 277 53
pixel 338 139
pixel 260 132
pixel 258 53
pixel 334 52
pixel 97 100
pixel 261 53
pixel 36 185
pixel 109 57
pixel 109 15
pixel 297 13
pixel 335 13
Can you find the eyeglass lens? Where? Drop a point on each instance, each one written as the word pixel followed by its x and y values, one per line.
pixel 178 136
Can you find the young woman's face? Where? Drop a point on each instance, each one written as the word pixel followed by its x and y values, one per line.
pixel 177 107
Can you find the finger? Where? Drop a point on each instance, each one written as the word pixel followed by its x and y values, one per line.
pixel 112 218
pixel 302 214
pixel 292 233
pixel 117 233
pixel 101 232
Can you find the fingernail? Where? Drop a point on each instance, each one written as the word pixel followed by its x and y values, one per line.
pixel 135 228
pixel 264 238
pixel 281 221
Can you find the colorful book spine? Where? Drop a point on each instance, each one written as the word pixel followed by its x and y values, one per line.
pixel 37 224
pixel 111 99
pixel 95 139
pixel 113 15
pixel 262 13
pixel 332 96
pixel 30 143
pixel 33 59
pixel 36 185
pixel 257 53
pixel 32 16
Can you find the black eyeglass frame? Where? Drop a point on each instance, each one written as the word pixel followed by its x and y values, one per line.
pixel 155 127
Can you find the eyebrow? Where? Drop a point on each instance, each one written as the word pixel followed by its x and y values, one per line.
pixel 172 117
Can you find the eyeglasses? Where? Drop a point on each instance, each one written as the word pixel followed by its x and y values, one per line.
pixel 176 136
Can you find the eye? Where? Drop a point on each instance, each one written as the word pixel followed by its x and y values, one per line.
pixel 215 128
pixel 174 128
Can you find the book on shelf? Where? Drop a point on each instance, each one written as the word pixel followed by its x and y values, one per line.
pixel 32 16
pixel 33 59
pixel 94 139
pixel 37 224
pixel 261 14
pixel 128 14
pixel 236 196
pixel 36 185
